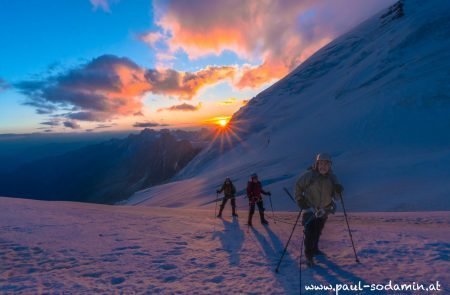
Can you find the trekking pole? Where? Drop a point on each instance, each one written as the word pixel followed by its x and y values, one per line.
pixel 271 205
pixel 289 194
pixel 287 244
pixel 348 226
pixel 300 261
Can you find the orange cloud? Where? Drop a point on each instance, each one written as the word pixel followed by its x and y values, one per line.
pixel 255 76
pixel 279 33
pixel 227 102
pixel 102 89
pixel 184 107
pixel 185 85
pixel 109 87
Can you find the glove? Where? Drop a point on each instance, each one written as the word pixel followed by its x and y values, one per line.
pixel 320 213
pixel 331 208
pixel 269 193
pixel 218 191
pixel 338 188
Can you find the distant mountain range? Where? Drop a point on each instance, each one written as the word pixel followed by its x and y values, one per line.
pixel 19 149
pixel 106 172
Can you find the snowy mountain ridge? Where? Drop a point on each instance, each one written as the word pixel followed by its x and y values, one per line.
pixel 377 99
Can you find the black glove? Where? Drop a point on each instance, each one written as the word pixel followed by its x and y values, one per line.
pixel 338 188
pixel 218 191
pixel 269 193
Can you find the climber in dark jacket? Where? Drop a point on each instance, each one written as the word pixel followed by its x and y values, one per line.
pixel 229 192
pixel 317 191
pixel 254 191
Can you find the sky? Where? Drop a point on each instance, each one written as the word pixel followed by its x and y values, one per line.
pixel 96 65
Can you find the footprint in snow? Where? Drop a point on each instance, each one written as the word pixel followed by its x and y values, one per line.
pixel 168 266
pixel 126 248
pixel 141 254
pixel 216 279
pixel 177 243
pixel 170 279
pixel 379 242
pixel 93 274
pixel 20 248
pixel 116 281
pixel 173 253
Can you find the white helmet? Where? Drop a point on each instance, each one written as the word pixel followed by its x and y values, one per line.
pixel 323 157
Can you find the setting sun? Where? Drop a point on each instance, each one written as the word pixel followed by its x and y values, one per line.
pixel 222 122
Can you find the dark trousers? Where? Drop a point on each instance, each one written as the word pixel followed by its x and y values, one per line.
pixel 261 209
pixel 313 230
pixel 224 202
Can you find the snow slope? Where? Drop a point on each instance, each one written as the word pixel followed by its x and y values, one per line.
pixel 376 98
pixel 75 248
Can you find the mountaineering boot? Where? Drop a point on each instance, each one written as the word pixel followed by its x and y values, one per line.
pixel 220 212
pixel 309 261
pixel 234 212
pixel 318 252
pixel 263 220
pixel 249 221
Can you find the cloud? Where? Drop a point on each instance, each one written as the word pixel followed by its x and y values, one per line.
pixel 109 87
pixel 147 124
pixel 233 101
pixel 51 123
pixel 230 101
pixel 185 85
pixel 165 57
pixel 71 124
pixel 152 38
pixel 103 126
pixel 104 88
pixel 3 85
pixel 103 4
pixel 277 34
pixel 89 116
pixel 184 107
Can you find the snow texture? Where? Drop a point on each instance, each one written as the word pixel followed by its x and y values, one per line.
pixel 75 248
pixel 377 99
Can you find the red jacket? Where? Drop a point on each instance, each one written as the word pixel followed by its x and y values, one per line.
pixel 254 191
